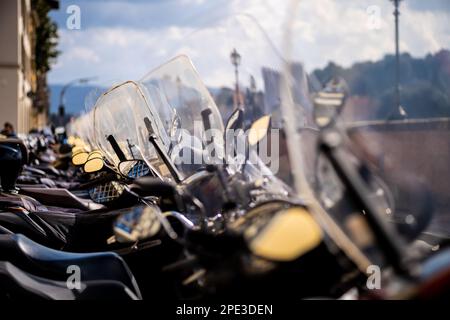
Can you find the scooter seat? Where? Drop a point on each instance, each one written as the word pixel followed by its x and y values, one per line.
pixel 48 169
pixel 16 283
pixel 59 197
pixel 53 264
pixel 4 230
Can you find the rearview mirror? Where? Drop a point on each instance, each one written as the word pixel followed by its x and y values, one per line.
pixel 95 154
pixel 77 149
pixel 80 158
pixel 139 224
pixel 329 102
pixel 93 165
pixel 259 130
pixel 235 121
pixel 133 168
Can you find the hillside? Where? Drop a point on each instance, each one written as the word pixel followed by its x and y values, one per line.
pixel 425 84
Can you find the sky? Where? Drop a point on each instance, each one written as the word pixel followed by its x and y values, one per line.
pixel 120 40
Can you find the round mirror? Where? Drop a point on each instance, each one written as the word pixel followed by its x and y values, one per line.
pixel 77 149
pixel 93 165
pixel 95 154
pixel 138 224
pixel 77 142
pixel 258 130
pixel 80 158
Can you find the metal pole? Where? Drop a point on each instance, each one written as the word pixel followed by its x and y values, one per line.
pixel 236 72
pixel 397 55
pixel 62 94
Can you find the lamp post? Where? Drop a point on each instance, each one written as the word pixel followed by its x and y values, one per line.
pixel 236 61
pixel 180 102
pixel 61 108
pixel 397 56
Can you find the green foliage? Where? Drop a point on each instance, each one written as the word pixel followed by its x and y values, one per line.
pixel 425 85
pixel 46 37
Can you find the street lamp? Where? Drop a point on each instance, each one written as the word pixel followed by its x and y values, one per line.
pixel 397 58
pixel 61 108
pixel 179 84
pixel 236 61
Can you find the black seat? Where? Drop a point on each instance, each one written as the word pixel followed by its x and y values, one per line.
pixel 59 197
pixel 34 227
pixel 3 230
pixel 18 284
pixel 53 264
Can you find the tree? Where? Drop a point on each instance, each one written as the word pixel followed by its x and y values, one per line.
pixel 45 52
pixel 46 37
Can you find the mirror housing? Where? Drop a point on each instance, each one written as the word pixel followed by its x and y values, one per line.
pixel 80 158
pixel 236 120
pixel 93 165
pixel 113 194
pixel 329 102
pixel 259 129
pixel 139 224
pixel 95 154
pixel 133 169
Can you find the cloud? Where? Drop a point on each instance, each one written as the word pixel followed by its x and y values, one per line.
pixel 429 5
pixel 82 54
pixel 140 14
pixel 123 40
pixel 110 53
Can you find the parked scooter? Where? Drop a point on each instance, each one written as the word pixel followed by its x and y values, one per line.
pixel 380 203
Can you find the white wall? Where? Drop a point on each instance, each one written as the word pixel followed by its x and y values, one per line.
pixel 15 107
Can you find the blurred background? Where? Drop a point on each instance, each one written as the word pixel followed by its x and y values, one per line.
pixel 55 52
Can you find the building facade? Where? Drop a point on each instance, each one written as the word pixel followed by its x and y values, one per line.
pixel 18 79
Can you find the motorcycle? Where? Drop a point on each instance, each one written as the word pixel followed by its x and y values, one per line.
pixel 380 202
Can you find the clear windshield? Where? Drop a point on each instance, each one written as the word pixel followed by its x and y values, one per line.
pixel 185 108
pixel 82 128
pixel 237 70
pixel 401 135
pixel 176 103
pixel 114 119
pixel 167 104
pixel 182 112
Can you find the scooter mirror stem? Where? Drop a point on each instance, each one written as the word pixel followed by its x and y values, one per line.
pixel 161 153
pixel 222 179
pixel 165 158
pixel 164 222
pixel 116 148
pixel 162 219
